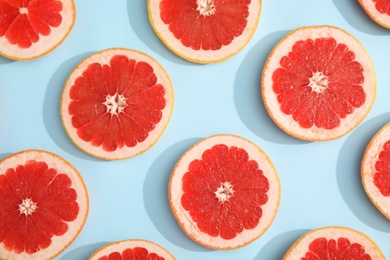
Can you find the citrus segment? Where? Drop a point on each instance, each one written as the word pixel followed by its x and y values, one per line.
pixel 30 29
pixel 204 31
pixel 318 83
pixel 334 243
pixel 132 249
pixel 44 205
pixel 375 170
pixel 224 192
pixel 377 10
pixel 116 103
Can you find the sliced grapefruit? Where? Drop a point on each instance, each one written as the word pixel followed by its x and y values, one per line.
pixel 204 31
pixel 131 250
pixel 334 243
pixel 31 29
pixel 116 103
pixel 224 192
pixel 377 10
pixel 318 83
pixel 43 205
pixel 375 170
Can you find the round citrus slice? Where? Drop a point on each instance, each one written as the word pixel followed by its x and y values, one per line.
pixel 204 31
pixel 318 83
pixel 31 29
pixel 334 243
pixel 132 249
pixel 375 170
pixel 116 103
pixel 43 205
pixel 378 10
pixel 224 192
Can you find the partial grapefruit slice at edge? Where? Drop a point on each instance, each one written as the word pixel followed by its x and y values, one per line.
pixel 120 248
pixel 380 17
pixel 376 153
pixel 58 243
pixel 353 240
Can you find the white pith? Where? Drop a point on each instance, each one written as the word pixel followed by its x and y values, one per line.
pixel 204 56
pixel 224 192
pixel 115 104
pixel 45 43
pixel 59 243
pixel 104 57
pixel 120 246
pixel 368 170
pixel 185 220
pixel 301 246
pixel 23 10
pixel 27 207
pixel 318 82
pixel 380 18
pixel 286 122
pixel 206 7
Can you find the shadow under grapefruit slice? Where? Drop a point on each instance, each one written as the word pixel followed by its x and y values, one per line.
pixel 377 10
pixel 132 249
pixel 116 103
pixel 224 192
pixel 334 243
pixel 31 29
pixel 318 83
pixel 43 205
pixel 375 170
pixel 204 31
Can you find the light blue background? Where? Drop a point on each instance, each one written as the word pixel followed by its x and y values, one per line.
pixel 128 199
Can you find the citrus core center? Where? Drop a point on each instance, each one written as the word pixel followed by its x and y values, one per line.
pixel 115 103
pixel 224 192
pixel 206 7
pixel 318 82
pixel 27 207
pixel 23 10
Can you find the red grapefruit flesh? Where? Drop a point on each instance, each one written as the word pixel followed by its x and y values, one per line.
pixel 133 249
pixel 43 205
pixel 377 10
pixel 334 243
pixel 375 170
pixel 224 192
pixel 30 29
pixel 204 31
pixel 116 103
pixel 318 83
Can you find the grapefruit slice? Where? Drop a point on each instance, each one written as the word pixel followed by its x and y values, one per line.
pixel 375 170
pixel 204 31
pixel 334 243
pixel 116 103
pixel 43 205
pixel 318 83
pixel 377 10
pixel 31 29
pixel 224 192
pixel 132 249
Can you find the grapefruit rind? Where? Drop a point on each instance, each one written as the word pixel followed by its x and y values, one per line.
pixel 103 57
pixel 204 56
pixel 122 245
pixel 59 243
pixel 370 157
pixel 45 44
pixel 184 219
pixel 301 246
pixel 378 17
pixel 286 122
